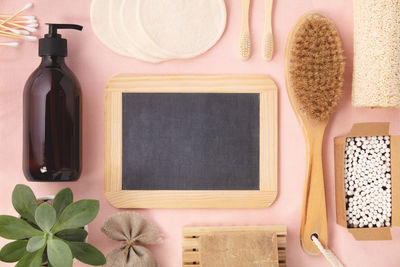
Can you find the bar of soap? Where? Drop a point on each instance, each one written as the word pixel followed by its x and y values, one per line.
pixel 239 249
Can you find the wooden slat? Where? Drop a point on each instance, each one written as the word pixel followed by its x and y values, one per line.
pixel 192 231
pixel 191 235
pixel 188 243
pixel 128 83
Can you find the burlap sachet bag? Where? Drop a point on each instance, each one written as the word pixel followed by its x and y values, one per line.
pixel 134 231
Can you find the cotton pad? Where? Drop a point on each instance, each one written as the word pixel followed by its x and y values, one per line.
pixel 119 34
pixel 103 14
pixel 158 30
pixel 131 29
pixel 99 16
pixel 183 28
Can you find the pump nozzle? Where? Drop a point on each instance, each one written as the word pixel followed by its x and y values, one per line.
pixel 54 27
pixel 52 44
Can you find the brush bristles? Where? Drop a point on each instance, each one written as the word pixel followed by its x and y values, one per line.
pixel 245 46
pixel 268 46
pixel 317 67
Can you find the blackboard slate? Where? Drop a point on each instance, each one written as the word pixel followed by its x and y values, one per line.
pixel 190 141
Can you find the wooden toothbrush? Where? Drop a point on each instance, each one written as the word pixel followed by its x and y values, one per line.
pixel 244 40
pixel 268 39
pixel 314 87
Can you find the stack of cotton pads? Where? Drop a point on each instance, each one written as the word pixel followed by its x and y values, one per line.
pixel 376 79
pixel 368 182
pixel 158 30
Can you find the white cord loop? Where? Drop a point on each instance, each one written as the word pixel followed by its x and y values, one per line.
pixel 328 254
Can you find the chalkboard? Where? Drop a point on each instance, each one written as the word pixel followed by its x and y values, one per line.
pixel 191 141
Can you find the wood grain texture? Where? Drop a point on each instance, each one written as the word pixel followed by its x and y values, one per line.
pixel 128 83
pixel 190 241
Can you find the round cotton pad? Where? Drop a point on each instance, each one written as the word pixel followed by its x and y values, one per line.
pixel 121 38
pixel 131 29
pixel 183 28
pixel 99 16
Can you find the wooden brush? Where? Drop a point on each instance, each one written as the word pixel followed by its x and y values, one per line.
pixel 244 40
pixel 314 67
pixel 268 38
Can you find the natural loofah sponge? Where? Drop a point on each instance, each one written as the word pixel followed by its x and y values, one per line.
pixel 376 78
pixel 317 67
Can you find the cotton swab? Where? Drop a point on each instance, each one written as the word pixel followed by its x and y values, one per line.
pixel 12 35
pixel 18 22
pixel 33 21
pixel 24 32
pixel 30 27
pixel 26 7
pixel 17 26
pixel 10 29
pixel 12 44
pixel 19 17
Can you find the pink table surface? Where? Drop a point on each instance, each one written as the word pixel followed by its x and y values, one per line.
pixel 94 64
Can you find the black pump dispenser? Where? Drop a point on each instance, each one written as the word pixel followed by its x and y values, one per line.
pixel 52 44
pixel 52 149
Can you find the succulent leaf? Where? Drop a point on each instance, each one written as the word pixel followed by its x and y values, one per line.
pixel 13 251
pixel 77 235
pixel 35 243
pixel 77 214
pixel 45 217
pixel 62 200
pixel 32 259
pixel 15 228
pixel 24 202
pixel 87 253
pixel 59 253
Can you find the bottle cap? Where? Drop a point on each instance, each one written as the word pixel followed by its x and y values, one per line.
pixel 52 44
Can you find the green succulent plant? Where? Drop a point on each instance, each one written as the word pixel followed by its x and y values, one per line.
pixel 49 234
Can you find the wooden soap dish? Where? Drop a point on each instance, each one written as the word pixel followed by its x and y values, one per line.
pixel 191 236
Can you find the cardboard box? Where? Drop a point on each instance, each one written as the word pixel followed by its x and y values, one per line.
pixel 359 130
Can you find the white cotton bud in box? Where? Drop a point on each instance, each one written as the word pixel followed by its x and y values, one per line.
pixel 367 171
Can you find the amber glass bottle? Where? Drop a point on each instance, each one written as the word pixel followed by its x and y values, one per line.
pixel 52 115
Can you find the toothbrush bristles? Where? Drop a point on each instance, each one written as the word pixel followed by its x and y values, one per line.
pixel 245 46
pixel 268 47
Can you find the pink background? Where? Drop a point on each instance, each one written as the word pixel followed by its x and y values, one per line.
pixel 94 64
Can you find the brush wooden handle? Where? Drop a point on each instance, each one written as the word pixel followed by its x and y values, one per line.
pixel 313 88
pixel 244 40
pixel 314 217
pixel 268 39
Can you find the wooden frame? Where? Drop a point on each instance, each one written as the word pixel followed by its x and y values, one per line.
pixel 129 83
pixel 190 241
